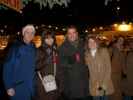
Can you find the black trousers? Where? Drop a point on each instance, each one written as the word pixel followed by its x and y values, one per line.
pixel 68 98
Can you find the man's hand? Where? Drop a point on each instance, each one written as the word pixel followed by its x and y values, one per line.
pixel 11 92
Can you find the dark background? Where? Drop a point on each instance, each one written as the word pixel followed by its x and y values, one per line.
pixel 78 12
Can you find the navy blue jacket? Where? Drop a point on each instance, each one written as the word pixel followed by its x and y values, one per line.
pixel 19 67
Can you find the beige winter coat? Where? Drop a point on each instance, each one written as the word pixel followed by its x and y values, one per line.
pixel 100 72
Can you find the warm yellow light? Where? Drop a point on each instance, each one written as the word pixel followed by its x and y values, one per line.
pixel 115 25
pixel 60 39
pixel 101 28
pixel 130 23
pixel 86 31
pixel 3 42
pixel 124 27
pixel 93 29
pixel 37 40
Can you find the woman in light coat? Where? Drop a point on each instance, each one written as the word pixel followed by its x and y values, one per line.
pixel 99 64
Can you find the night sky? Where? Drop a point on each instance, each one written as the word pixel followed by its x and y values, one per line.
pixel 78 12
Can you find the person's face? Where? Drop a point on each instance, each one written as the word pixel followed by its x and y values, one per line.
pixel 92 44
pixel 49 40
pixel 120 41
pixel 28 35
pixel 72 34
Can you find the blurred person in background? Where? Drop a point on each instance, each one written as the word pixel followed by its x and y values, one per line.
pixel 118 66
pixel 128 73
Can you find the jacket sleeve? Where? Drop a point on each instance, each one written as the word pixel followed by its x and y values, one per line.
pixel 9 69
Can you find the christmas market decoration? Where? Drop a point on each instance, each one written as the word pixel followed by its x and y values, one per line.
pixel 20 4
pixel 3 7
pixel 51 3
pixel 13 4
pixel 25 2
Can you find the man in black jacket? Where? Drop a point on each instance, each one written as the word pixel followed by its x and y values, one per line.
pixel 75 72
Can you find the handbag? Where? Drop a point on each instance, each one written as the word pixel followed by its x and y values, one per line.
pixel 48 81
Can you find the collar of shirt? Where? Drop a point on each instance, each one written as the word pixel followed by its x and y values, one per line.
pixel 93 52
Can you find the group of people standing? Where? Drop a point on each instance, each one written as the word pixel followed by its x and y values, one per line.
pixel 82 69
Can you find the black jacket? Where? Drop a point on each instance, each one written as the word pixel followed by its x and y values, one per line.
pixel 75 72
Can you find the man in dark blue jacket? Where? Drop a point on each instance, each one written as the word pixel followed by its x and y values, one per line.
pixel 19 68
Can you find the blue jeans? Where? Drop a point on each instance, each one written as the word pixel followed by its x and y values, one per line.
pixel 100 98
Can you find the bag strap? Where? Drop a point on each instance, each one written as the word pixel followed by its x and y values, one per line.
pixel 39 74
pixel 54 62
pixel 54 70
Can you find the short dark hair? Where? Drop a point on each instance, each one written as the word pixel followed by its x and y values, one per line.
pixel 71 27
pixel 94 37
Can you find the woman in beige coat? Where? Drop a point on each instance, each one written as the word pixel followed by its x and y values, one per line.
pixel 98 61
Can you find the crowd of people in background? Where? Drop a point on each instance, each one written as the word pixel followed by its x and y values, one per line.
pixel 81 70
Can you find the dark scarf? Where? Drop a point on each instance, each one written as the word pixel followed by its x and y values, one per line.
pixel 75 43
